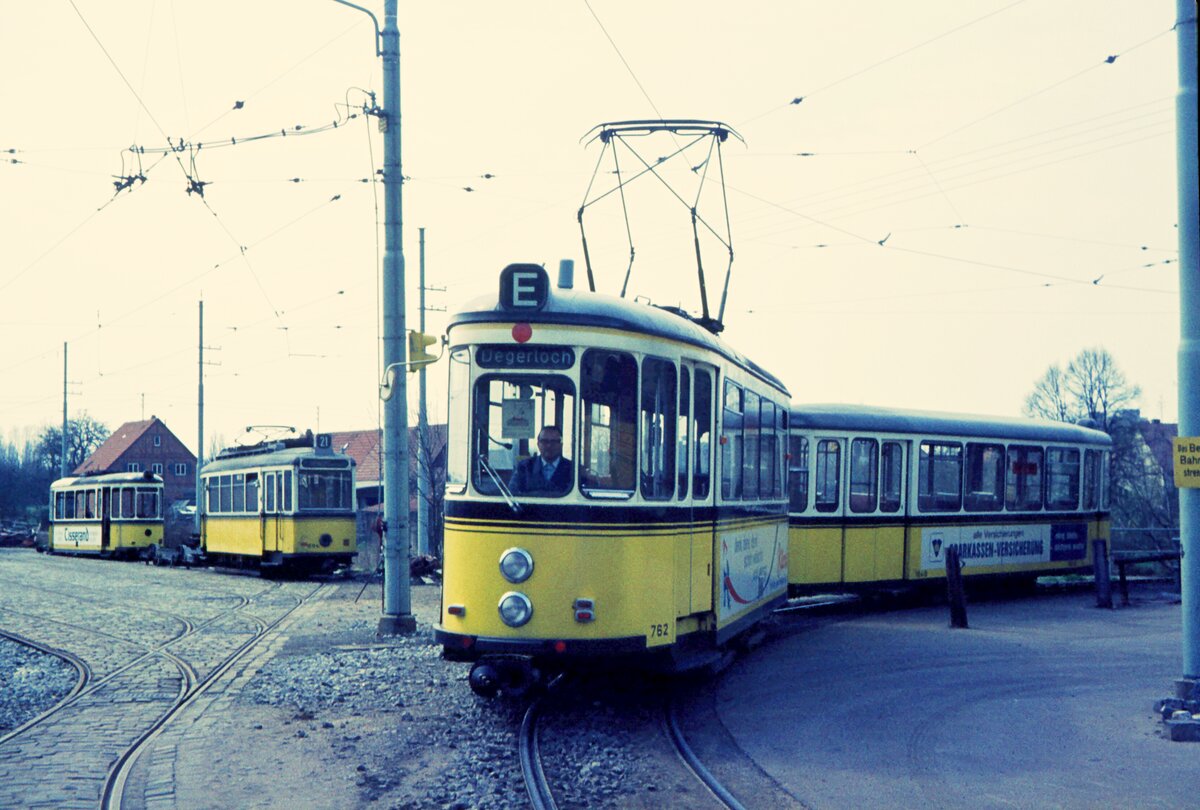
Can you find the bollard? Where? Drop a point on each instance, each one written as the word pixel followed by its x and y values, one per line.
pixel 954 589
pixel 1102 575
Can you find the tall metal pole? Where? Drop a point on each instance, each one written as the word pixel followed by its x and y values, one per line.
pixel 62 464
pixel 422 434
pixel 397 603
pixel 200 423
pixel 1189 330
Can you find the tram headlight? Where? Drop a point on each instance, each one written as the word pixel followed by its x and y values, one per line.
pixel 515 609
pixel 516 565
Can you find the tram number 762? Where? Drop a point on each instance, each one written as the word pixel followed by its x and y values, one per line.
pixel 659 631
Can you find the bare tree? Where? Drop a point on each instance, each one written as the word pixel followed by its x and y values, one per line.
pixel 427 455
pixel 1098 386
pixel 1050 398
pixel 84 435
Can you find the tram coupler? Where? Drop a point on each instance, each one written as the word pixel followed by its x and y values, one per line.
pixel 510 675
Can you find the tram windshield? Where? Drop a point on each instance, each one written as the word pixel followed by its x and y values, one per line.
pixel 524 435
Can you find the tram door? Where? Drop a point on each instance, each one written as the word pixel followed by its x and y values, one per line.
pixel 105 506
pixel 825 546
pixel 693 486
pixel 269 525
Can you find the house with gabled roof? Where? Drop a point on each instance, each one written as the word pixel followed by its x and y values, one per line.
pixel 147 446
pixel 366 448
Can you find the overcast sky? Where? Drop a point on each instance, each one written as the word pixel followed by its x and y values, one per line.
pixel 1021 181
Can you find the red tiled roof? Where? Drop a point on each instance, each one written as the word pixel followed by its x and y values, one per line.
pixel 114 446
pixel 365 446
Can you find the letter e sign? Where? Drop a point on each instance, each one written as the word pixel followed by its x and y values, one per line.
pixel 524 287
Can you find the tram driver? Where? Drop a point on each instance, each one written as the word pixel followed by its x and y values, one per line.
pixel 548 472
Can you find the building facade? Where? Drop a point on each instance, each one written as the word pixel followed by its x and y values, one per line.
pixel 147 446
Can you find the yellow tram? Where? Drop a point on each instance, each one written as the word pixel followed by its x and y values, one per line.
pixel 878 495
pixel 615 486
pixel 113 514
pixel 284 503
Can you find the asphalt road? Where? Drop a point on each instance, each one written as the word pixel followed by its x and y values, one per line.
pixel 1044 702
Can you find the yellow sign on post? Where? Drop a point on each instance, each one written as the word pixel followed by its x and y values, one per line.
pixel 1187 461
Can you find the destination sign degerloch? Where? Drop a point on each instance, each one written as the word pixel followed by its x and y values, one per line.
pixel 502 356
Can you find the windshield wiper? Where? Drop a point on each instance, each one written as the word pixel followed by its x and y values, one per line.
pixel 500 485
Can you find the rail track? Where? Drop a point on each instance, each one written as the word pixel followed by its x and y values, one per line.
pixel 164 674
pixel 118 777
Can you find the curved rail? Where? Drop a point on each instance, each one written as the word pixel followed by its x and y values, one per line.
pixel 531 762
pixel 190 691
pixel 693 763
pixel 81 667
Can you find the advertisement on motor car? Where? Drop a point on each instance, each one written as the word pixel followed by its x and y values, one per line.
pixel 983 546
pixel 753 566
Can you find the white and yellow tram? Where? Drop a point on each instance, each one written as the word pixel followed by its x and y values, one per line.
pixel 878 495
pixel 112 514
pixel 668 537
pixel 284 503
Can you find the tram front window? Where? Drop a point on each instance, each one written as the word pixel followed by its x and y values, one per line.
pixel 524 435
pixel 608 460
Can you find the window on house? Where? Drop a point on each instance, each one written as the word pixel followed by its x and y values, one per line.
pixel 181 469
pixel 157 469
pixel 158 441
pixel 133 466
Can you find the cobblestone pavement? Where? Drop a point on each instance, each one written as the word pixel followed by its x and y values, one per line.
pixel 151 637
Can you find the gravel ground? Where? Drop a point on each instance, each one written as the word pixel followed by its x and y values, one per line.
pixel 409 725
pixel 30 683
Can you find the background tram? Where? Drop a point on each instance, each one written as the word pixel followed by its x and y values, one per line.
pixel 280 503
pixel 669 537
pixel 878 495
pixel 114 514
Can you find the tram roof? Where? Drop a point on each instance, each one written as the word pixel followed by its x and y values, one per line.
pixel 268 457
pixel 868 418
pixel 145 477
pixel 584 308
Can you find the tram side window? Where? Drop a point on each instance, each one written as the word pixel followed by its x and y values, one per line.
pixel 252 492
pixel 239 492
pixel 285 497
pixel 731 448
pixel 798 474
pixel 684 423
pixel 892 475
pixel 1091 479
pixel 1062 478
pixel 1105 480
pixel 659 399
pixel 768 464
pixel 829 475
pixel 147 502
pixel 864 475
pixel 751 407
pixel 1023 482
pixel 458 438
pixel 985 478
pixel 270 489
pixel 89 504
pixel 608 384
pixel 702 431
pixel 940 471
pixel 127 502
